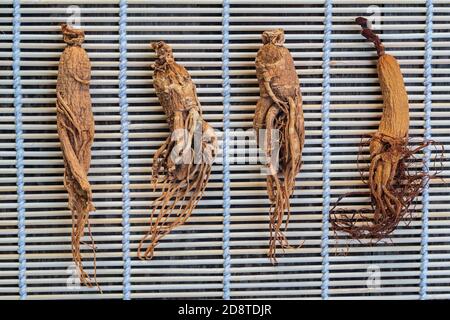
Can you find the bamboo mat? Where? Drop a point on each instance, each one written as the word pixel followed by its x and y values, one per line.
pixel 221 251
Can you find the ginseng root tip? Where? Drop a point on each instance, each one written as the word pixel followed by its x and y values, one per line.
pixel 361 21
pixel 370 35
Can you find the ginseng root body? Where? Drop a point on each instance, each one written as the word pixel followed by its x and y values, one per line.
pixel 392 185
pixel 75 124
pixel 279 127
pixel 182 165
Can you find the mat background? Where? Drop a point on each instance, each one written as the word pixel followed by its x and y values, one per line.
pixel 189 262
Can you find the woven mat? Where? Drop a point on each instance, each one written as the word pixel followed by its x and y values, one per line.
pixel 209 257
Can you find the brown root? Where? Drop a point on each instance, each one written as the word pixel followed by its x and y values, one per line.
pixel 184 161
pixel 370 35
pixel 289 124
pixel 393 181
pixel 72 36
pixel 184 179
pixel 79 222
pixel 76 153
pixel 75 125
pixel 279 110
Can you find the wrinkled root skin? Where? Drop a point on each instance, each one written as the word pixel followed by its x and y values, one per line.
pixel 182 186
pixel 279 109
pixel 75 125
pixel 393 186
pixel 180 168
pixel 281 183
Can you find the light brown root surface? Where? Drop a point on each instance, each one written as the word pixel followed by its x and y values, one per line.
pixel 279 112
pixel 179 196
pixel 280 185
pixel 182 165
pixel 393 181
pixel 75 126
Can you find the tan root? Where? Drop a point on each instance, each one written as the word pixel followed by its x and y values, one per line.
pixel 182 165
pixel 279 113
pixel 75 124
pixel 393 181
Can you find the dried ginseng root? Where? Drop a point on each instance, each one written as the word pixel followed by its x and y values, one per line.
pixel 279 122
pixel 184 160
pixel 393 181
pixel 76 133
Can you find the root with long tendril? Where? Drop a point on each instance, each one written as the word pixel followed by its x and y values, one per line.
pixel 279 127
pixel 75 124
pixel 393 180
pixel 185 158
